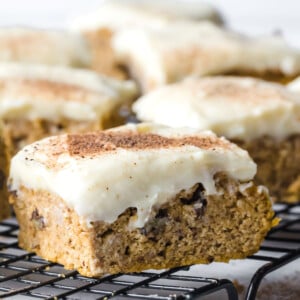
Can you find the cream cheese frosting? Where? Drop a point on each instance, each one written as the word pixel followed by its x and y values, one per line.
pixel 101 174
pixel 54 93
pixel 171 53
pixel 49 47
pixel 234 107
pixel 117 14
pixel 294 85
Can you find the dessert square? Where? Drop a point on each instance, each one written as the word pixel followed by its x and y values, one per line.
pixel 38 100
pixel 158 56
pixel 99 26
pixel 138 197
pixel 261 117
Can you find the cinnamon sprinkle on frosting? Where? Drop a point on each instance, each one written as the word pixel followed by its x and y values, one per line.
pixel 97 143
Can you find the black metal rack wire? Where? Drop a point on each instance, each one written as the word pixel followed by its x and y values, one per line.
pixel 25 276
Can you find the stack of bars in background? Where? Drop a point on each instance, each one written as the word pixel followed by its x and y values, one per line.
pixel 216 144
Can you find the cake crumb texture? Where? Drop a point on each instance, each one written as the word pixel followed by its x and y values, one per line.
pixel 4 206
pixel 278 165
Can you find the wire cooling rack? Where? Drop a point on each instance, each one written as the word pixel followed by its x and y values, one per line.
pixel 24 275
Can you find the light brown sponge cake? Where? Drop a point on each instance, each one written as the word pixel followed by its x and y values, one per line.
pixel 103 59
pixel 37 101
pixel 261 117
pixel 4 206
pixel 138 197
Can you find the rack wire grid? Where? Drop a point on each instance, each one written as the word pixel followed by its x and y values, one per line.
pixel 24 275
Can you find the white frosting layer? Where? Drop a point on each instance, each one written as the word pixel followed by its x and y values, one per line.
pixel 294 86
pixel 43 46
pixel 101 185
pixel 53 93
pixel 234 107
pixel 117 14
pixel 171 53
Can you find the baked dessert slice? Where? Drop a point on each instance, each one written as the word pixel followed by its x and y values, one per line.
pixel 261 117
pixel 50 47
pixel 4 206
pixel 112 16
pixel 171 53
pixel 37 101
pixel 138 197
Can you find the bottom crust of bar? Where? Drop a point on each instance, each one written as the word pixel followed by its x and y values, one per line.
pixel 191 228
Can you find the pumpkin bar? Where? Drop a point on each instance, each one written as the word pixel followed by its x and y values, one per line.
pixel 261 117
pixel 138 197
pixel 158 56
pixel 38 100
pixel 100 25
